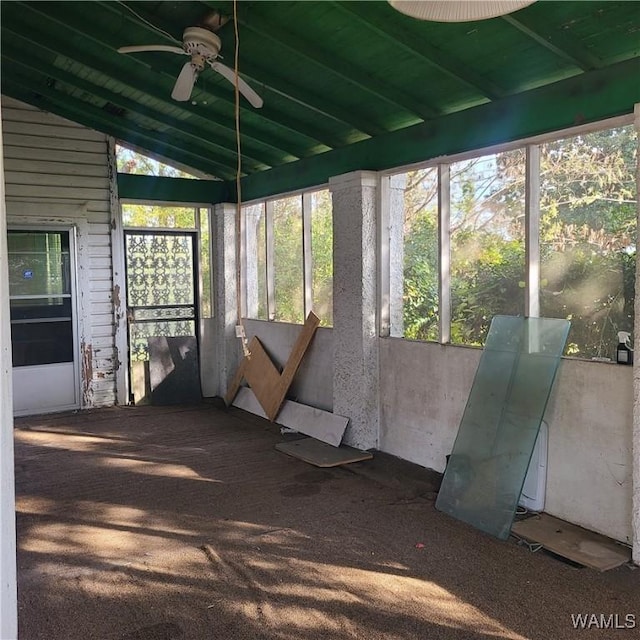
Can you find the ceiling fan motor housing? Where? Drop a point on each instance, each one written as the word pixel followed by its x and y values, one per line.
pixel 197 41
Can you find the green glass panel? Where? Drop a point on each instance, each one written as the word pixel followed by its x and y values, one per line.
pixel 487 467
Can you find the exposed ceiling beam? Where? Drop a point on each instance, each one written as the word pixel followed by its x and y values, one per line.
pixel 413 44
pixel 50 100
pixel 193 138
pixel 339 67
pixel 301 127
pixel 561 44
pixel 314 102
pixel 588 97
pixel 91 33
pixel 38 61
pixel 137 187
pixel 127 68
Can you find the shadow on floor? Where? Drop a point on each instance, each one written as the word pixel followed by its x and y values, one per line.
pixel 158 523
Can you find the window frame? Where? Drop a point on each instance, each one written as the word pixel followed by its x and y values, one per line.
pixel 531 146
pixel 305 196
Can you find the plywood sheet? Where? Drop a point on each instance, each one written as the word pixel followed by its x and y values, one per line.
pixel 269 385
pixel 264 378
pixel 321 425
pixel 572 542
pixel 321 454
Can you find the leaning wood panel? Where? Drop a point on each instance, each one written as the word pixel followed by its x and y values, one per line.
pixel 297 353
pixel 264 378
pixel 321 425
pixel 269 386
pixel 235 383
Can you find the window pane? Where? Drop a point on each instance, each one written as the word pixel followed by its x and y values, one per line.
pixel 587 237
pixel 156 216
pixel 288 260
pixel 487 243
pixel 39 263
pixel 414 255
pixel 205 265
pixel 255 261
pixel 322 256
pixel 129 161
pixel 41 342
pixel 159 269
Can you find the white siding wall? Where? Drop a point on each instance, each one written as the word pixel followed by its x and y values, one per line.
pixel 49 160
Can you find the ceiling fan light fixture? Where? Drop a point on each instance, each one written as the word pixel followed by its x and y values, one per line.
pixel 457 11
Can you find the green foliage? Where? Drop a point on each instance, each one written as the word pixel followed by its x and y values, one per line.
pixel 287 260
pixel 587 242
pixel 421 275
pixel 129 161
pixel 322 256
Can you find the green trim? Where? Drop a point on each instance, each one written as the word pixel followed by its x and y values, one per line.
pixel 585 98
pixel 161 189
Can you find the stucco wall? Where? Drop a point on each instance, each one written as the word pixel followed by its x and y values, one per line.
pixel 423 392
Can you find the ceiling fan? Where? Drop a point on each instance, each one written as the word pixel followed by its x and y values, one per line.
pixel 203 47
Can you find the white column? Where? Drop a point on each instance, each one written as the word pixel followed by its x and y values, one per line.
pixel 227 347
pixel 397 186
pixel 635 505
pixel 8 588
pixel 252 219
pixel 532 233
pixel 355 357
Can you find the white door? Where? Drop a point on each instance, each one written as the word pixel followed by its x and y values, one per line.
pixel 43 323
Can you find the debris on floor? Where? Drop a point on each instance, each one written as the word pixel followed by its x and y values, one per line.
pixel 574 543
pixel 321 454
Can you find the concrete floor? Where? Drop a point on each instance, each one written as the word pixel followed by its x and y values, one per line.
pixel 164 523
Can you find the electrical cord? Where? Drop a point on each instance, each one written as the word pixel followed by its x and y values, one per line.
pixel 239 323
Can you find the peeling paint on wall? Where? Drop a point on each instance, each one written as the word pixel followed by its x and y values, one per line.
pixel 87 374
pixel 116 299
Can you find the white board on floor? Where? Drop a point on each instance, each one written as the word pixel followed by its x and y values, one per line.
pixel 321 425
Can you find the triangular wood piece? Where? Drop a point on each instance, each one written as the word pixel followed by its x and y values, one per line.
pixel 269 386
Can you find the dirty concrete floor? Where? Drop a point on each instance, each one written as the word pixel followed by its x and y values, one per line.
pixel 168 523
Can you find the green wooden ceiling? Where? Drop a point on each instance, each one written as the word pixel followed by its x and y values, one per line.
pixel 346 85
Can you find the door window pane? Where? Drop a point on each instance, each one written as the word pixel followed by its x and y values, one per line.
pixel 159 269
pixel 40 297
pixel 38 263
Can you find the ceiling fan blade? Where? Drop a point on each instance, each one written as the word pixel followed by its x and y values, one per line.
pixel 152 47
pixel 184 84
pixel 254 99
